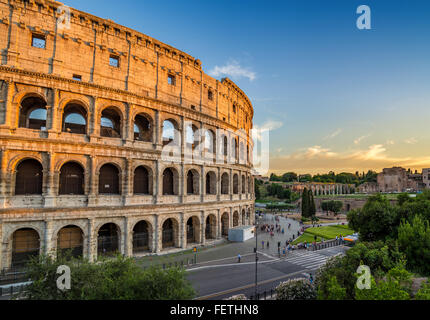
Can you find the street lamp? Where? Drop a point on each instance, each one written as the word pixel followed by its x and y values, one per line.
pixel 256 254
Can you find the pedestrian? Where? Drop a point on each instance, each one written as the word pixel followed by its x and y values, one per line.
pixel 238 258
pixel 267 244
pixel 262 244
pixel 311 278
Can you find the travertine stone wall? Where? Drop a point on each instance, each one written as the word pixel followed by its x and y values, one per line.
pixel 139 85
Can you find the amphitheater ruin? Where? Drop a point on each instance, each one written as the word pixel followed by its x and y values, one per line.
pixel 87 110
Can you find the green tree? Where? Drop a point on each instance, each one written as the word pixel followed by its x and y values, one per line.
pixel 312 208
pixel 112 279
pixel 424 292
pixel 376 220
pixel 296 289
pixel 402 198
pixel 334 290
pixel 305 203
pixel 414 241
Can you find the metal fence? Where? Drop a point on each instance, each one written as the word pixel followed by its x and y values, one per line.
pixel 264 295
pixel 12 275
pixel 175 264
pixel 13 289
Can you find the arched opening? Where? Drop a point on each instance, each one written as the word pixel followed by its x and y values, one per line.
pixel 235 219
pixel 109 179
pixel 235 184
pixel 193 230
pixel 169 180
pixel 234 152
pixel 71 239
pixel 225 183
pixel 248 216
pixel 210 182
pixel 108 239
pixel 25 245
pixel 191 138
pixel 210 229
pixel 243 184
pixel 243 217
pixel 209 142
pixel 225 224
pixel 170 233
pixel 192 182
pixel 32 113
pixel 169 132
pixel 141 237
pixel 75 119
pixel 141 181
pixel 224 147
pixel 71 179
pixel 29 177
pixel 241 153
pixel 110 123
pixel 142 128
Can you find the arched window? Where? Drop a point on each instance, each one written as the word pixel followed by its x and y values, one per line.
pixel 168 132
pixel 241 153
pixel 225 183
pixel 110 123
pixel 33 113
pixel 70 238
pixel 108 239
pixel 71 179
pixel 209 141
pixel 192 182
pixel 234 152
pixel 191 138
pixel 210 183
pixel 235 184
pixel 243 184
pixel 141 181
pixel 168 182
pixel 29 177
pixel 225 146
pixel 75 119
pixel 25 245
pixel 142 128
pixel 109 179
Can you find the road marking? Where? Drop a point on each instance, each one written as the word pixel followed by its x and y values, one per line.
pixel 247 286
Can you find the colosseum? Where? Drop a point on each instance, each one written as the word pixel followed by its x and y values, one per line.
pixel 113 141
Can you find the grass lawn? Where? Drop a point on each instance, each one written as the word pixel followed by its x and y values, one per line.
pixel 326 232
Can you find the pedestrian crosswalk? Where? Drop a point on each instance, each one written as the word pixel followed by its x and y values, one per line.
pixel 309 259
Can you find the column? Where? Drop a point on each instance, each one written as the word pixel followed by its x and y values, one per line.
pixel 156 241
pixel 127 246
pixel 91 241
pixel 93 180
pixel 48 245
pixel 49 192
pixel 202 227
pixel 182 231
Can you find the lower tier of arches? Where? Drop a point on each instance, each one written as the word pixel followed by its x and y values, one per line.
pixel 131 234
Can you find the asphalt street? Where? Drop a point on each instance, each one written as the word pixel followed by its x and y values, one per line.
pixel 225 278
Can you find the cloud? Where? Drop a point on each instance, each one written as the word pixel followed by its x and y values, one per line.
pixel 411 140
pixel 233 70
pixel 265 128
pixel 358 140
pixel 389 142
pixel 317 159
pixel 334 134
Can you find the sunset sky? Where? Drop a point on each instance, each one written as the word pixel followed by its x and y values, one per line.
pixel 335 97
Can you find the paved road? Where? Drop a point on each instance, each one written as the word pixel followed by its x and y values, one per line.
pixel 221 280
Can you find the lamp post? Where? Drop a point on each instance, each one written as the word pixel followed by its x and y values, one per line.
pixel 256 254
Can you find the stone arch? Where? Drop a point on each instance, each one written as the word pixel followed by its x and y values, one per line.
pixel 109 179
pixel 29 177
pixel 108 239
pixel 225 183
pixel 72 179
pixel 235 184
pixel 33 111
pixel 243 217
pixel 71 238
pixel 193 230
pixel 169 233
pixel 142 176
pixel 210 226
pixel 193 182
pixel 143 127
pixel 142 236
pixel 111 122
pixel 170 131
pixel 75 117
pixel 25 243
pixel 225 224
pixel 170 183
pixel 235 219
pixel 211 182
pixel 243 184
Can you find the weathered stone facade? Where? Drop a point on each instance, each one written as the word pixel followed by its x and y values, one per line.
pixel 95 98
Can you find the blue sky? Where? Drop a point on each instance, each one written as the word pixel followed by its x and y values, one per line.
pixel 336 97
